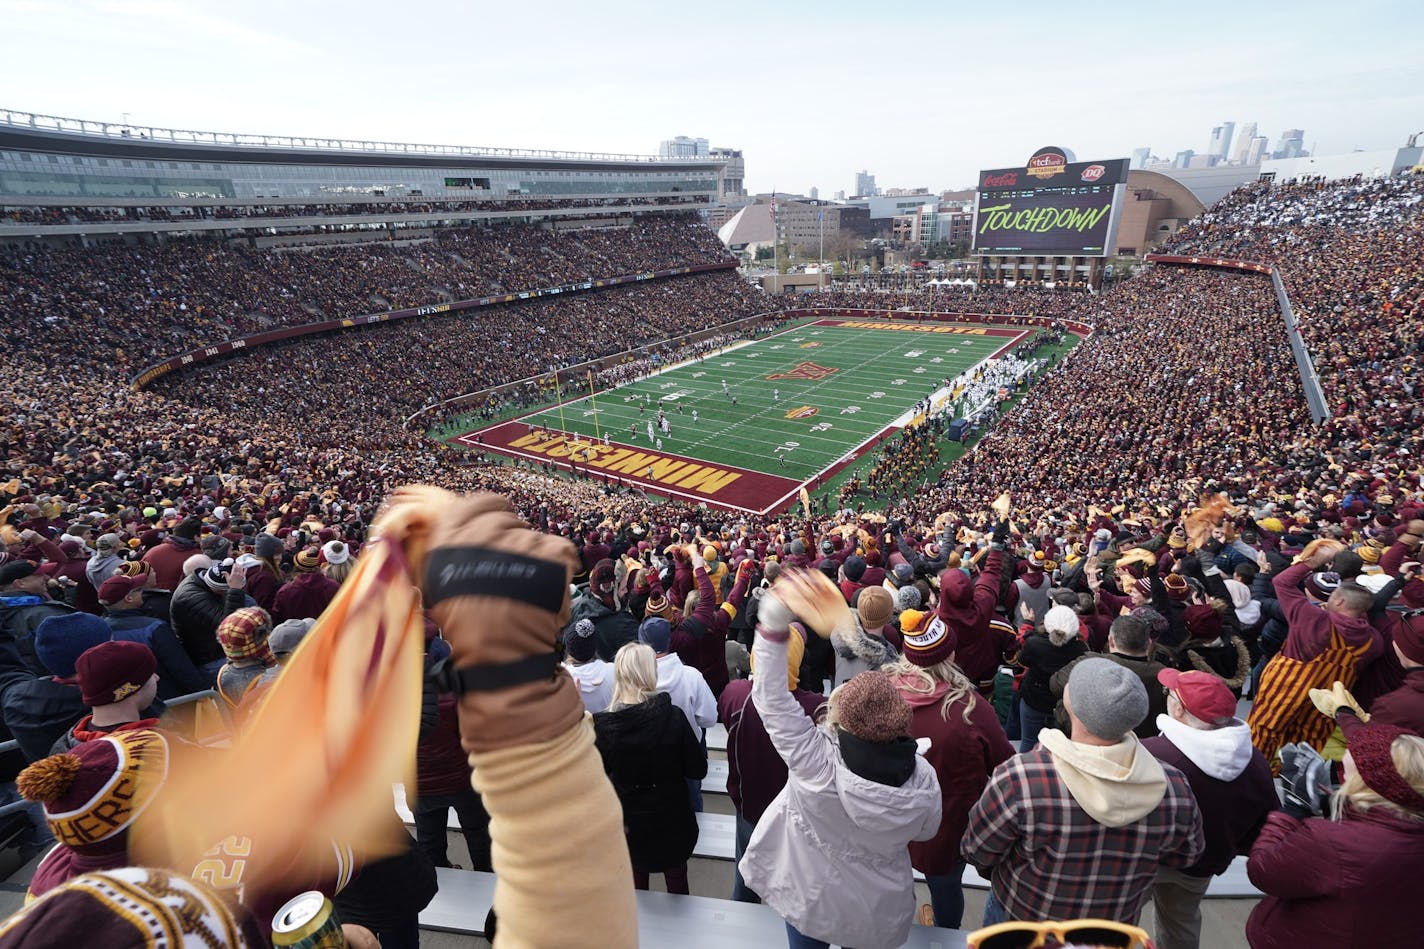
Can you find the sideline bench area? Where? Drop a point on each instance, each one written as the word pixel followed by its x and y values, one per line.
pixel 664 919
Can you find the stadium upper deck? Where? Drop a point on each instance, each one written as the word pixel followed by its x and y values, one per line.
pixel 53 162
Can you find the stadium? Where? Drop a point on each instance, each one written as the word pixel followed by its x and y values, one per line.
pixel 230 351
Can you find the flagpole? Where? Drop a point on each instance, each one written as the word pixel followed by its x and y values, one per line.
pixel 594 403
pixel 563 426
pixel 775 244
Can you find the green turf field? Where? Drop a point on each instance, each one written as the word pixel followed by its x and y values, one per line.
pixel 877 377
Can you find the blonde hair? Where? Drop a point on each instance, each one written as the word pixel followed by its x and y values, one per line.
pixel 1407 752
pixel 339 571
pixel 926 678
pixel 635 674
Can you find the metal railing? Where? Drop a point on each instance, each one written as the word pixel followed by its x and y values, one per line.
pixel 127 130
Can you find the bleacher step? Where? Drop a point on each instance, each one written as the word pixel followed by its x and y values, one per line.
pixel 664 919
pixel 717 840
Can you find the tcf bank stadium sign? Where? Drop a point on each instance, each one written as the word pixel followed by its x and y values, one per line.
pixel 1053 205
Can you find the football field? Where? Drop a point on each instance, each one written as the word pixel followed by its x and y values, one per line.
pixel 770 415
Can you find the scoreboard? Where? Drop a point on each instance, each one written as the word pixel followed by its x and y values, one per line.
pixel 1050 207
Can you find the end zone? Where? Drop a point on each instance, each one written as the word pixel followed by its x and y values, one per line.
pixel 722 486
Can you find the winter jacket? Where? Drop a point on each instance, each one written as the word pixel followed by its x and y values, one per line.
pixel 262 586
pixel 20 615
pixel 830 855
pixel 167 561
pixel 700 640
pixel 858 651
pixel 98 569
pixel 688 691
pixel 197 611
pixel 755 772
pixel 441 766
pixel 1227 658
pixel 963 755
pixel 1335 883
pixel 612 629
pixel 649 752
pixel 595 683
pixel 1041 659
pixel 1310 626
pixel 39 712
pixel 1230 780
pixel 177 675
pixel 1146 669
pixel 1404 706
pixel 968 608
pixel 305 596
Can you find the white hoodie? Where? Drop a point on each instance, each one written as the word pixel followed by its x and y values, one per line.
pixel 1222 753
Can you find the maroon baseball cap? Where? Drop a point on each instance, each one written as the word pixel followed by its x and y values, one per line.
pixel 111 672
pixel 1201 693
pixel 119 586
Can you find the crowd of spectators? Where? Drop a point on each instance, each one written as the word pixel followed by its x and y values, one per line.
pixel 1185 388
pixel 127 306
pixel 258 212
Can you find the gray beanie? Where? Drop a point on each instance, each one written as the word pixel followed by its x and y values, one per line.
pixel 1107 698
pixel 287 636
pixel 267 545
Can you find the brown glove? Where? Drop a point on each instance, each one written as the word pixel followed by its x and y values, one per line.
pixel 500 592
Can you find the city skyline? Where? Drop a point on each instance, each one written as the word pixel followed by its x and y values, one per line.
pixel 625 77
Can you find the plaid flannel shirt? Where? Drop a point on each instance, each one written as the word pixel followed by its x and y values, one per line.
pixel 1049 860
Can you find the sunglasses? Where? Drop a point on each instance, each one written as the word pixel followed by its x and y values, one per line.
pixel 1098 933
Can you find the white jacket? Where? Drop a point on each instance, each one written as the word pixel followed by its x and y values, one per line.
pixel 595 683
pixel 689 692
pixel 829 854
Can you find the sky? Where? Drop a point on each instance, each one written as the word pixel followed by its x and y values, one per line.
pixel 919 93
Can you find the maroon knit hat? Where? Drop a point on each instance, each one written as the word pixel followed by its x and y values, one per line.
pixel 1370 748
pixel 936 643
pixel 1409 636
pixel 93 792
pixel 1203 622
pixel 112 671
pixel 872 709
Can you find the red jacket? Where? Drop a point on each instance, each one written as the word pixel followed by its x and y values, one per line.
pixel 968 608
pixel 1310 625
pixel 963 756
pixel 756 773
pixel 1335 884
pixel 1404 706
pixel 167 561
pixel 305 596
pixel 441 766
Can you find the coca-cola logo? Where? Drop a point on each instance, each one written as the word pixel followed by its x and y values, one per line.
pixel 1094 172
pixel 1007 180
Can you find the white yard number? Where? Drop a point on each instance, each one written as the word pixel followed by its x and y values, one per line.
pixel 876 395
pixel 787 446
pixel 936 360
pixel 898 382
pixel 850 410
pixel 920 369
pixel 698 375
pixel 914 354
pixel 821 427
